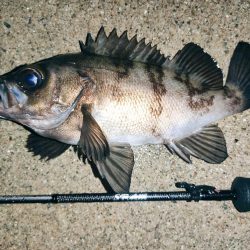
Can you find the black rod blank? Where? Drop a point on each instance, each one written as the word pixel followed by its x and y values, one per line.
pixel 193 193
pixel 239 195
pixel 104 197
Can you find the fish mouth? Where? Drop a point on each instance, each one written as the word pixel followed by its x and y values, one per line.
pixel 11 99
pixel 3 97
pixel 1 106
pixel 1 102
pixel 4 104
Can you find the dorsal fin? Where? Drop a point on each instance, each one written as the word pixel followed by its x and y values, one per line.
pixel 121 47
pixel 193 65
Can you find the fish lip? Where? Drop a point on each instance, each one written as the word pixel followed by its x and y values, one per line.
pixel 9 100
pixel 10 97
pixel 3 96
pixel 3 101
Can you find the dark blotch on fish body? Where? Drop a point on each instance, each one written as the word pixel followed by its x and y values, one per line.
pixel 199 103
pixel 231 93
pixel 123 67
pixel 155 76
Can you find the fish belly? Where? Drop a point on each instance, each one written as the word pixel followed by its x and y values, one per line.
pixel 128 123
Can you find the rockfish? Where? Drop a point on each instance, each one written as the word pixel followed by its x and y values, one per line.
pixel 117 93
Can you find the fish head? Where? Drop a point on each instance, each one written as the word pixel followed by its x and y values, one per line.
pixel 41 95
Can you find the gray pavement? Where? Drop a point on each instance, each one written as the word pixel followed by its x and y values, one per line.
pixel 33 30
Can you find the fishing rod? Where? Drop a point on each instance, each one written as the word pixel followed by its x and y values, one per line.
pixel 239 194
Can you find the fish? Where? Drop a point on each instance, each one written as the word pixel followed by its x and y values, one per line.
pixel 117 93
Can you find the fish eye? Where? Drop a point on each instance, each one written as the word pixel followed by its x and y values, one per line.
pixel 30 79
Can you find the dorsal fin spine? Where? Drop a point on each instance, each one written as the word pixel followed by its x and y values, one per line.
pixel 89 40
pixel 123 48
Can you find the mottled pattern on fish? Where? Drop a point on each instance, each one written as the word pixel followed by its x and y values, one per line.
pixel 151 105
pixel 119 92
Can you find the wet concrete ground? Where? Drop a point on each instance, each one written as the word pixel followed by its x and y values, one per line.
pixel 35 30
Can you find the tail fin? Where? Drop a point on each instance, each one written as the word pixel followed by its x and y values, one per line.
pixel 239 71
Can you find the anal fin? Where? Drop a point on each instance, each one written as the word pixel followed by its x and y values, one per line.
pixel 208 144
pixel 180 151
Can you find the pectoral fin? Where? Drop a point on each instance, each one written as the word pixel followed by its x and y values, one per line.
pixel 44 147
pixel 93 142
